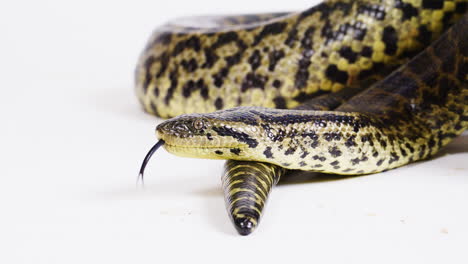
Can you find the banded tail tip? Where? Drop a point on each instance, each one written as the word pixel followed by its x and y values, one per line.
pixel 245 224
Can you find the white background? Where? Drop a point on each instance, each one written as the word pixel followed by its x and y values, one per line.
pixel 72 137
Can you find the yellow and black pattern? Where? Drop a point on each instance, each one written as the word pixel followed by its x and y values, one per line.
pixel 443 92
pixel 256 179
pixel 282 61
pixel 246 188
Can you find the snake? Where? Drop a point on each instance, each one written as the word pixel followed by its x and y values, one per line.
pixel 347 87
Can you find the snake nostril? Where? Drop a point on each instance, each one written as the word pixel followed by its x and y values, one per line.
pixel 161 127
pixel 165 128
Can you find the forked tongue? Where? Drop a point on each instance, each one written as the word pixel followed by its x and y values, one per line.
pixel 147 158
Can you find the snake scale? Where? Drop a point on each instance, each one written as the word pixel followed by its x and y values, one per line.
pixel 346 87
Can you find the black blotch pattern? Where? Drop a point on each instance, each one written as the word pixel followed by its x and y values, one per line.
pixel 335 151
pixel 431 4
pixel 350 142
pixel 272 29
pixel 390 38
pixel 255 60
pixel 292 37
pixel 380 162
pixel 394 157
pixel 408 10
pixel 302 75
pixel 235 151
pixel 334 74
pixel 422 151
pixel 280 102
pixel 164 60
pixel 314 137
pixel 173 77
pixel 191 43
pixel 253 80
pixel 190 65
pixel 409 147
pixel 332 136
pixel 359 160
pixel 275 57
pixel 225 38
pixel 219 104
pixel 220 76
pixel 192 86
pixel 290 151
pixel 240 136
pixel 277 84
pixel 365 138
pixel 404 153
pixel 210 58
pixel 268 153
pixel 425 35
pixel 306 41
pixel 147 65
pixel 367 52
pixel 383 143
pixel 347 53
pixel 317 157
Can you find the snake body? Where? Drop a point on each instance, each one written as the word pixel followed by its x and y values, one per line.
pixel 286 61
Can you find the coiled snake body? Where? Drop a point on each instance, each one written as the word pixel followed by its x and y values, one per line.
pixel 374 121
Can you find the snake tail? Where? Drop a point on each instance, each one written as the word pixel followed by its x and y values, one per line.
pixel 247 186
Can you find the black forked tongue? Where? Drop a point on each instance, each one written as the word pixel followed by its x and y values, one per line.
pixel 148 157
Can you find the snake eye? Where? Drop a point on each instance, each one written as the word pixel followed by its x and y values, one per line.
pixel 198 124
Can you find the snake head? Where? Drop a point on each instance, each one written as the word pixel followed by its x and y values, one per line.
pixel 227 134
pixel 185 126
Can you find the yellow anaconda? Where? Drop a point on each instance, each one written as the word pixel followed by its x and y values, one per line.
pixel 291 60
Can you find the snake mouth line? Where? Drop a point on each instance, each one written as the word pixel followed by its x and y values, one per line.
pixel 169 145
